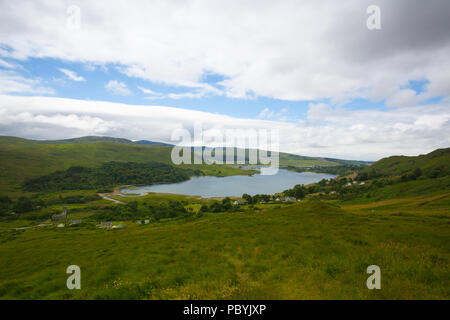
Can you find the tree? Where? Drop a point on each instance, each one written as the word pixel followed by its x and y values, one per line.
pixel 417 172
pixel 23 204
pixel 362 176
pixel 5 204
pixel 299 192
pixel 226 203
pixel 247 198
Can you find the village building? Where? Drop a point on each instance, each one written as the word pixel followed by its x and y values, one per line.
pixel 61 216
pixel 105 224
pixel 75 221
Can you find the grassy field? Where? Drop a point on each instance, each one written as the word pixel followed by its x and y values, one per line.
pixel 309 250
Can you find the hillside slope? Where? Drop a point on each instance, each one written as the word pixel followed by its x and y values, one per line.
pixel 433 164
pixel 21 158
pixel 311 250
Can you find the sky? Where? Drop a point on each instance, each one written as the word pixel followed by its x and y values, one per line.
pixel 312 70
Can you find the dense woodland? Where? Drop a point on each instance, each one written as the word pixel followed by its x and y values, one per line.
pixel 108 175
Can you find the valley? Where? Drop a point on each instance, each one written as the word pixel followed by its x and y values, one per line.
pixel 311 241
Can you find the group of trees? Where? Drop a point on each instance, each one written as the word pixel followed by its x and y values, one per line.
pixel 27 204
pixel 298 192
pixel 342 169
pixel 367 175
pixel 219 206
pixel 257 198
pixel 21 205
pixel 411 175
pixel 107 175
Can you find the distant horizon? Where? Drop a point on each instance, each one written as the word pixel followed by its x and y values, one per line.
pixel 172 144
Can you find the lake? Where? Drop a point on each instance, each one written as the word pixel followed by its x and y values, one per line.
pixel 233 185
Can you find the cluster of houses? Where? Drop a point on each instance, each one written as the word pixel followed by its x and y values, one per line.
pixel 278 199
pixel 109 225
pixel 349 184
pixel 62 219
pixel 139 222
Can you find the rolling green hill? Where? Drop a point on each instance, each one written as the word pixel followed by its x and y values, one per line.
pixel 21 158
pixel 433 164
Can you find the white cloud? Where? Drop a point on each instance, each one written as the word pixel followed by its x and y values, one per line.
pixel 327 131
pixel 12 82
pixel 7 65
pixel 265 114
pixel 282 115
pixel 294 50
pixel 72 75
pixel 204 90
pixel 149 92
pixel 117 87
pixel 94 125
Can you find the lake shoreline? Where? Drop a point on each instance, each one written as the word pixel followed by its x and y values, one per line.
pixel 231 186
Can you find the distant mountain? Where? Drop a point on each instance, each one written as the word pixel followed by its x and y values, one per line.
pixel 153 143
pixel 86 139
pixel 350 162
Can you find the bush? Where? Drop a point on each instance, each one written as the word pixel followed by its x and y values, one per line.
pixel 23 204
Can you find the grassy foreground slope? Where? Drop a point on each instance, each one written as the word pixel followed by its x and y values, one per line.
pixel 310 250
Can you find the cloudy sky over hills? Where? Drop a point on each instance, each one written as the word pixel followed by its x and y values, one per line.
pixel 311 69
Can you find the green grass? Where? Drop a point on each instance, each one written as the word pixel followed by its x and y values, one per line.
pixel 311 250
pixel 287 159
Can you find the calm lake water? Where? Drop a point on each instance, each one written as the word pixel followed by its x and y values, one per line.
pixel 234 185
